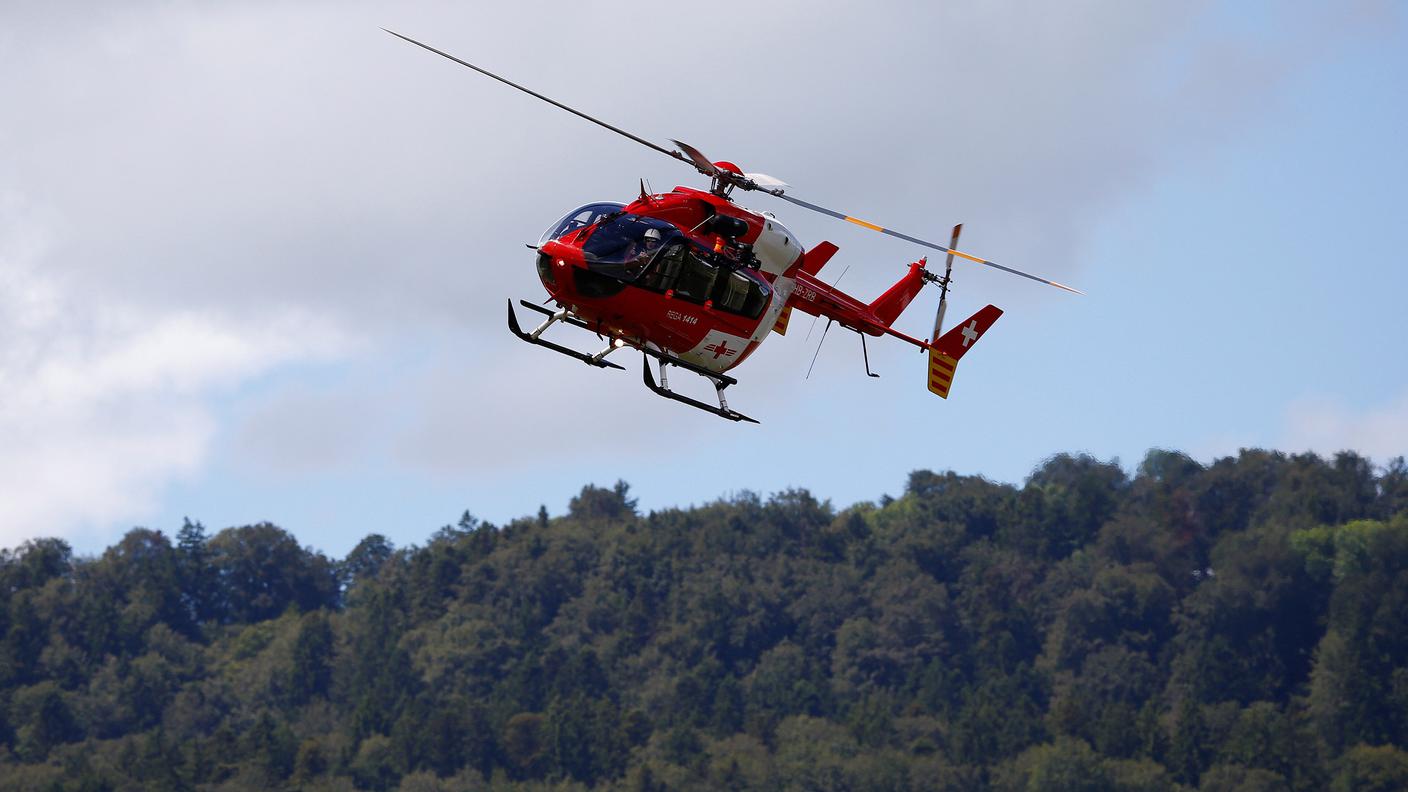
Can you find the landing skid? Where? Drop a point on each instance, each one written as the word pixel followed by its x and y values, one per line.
pixel 719 381
pixel 663 389
pixel 553 317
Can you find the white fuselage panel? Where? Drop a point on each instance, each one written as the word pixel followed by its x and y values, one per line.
pixel 776 248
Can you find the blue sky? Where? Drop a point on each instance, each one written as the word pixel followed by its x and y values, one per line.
pixel 268 285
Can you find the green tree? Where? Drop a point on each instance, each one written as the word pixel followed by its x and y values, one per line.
pixel 523 743
pixel 1062 766
pixel 365 560
pixel 311 673
pixel 377 671
pixel 46 721
pixel 598 502
pixel 1372 768
pixel 262 571
pixel 198 579
pixel 1236 778
pixel 1366 638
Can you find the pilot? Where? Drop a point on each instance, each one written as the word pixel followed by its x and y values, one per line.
pixel 649 242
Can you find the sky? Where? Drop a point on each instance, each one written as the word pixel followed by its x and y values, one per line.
pixel 254 256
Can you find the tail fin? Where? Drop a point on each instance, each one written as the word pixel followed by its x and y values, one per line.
pixel 813 260
pixel 888 306
pixel 780 326
pixel 946 350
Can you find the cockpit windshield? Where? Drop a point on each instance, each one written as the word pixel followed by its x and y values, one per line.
pixel 579 218
pixel 623 245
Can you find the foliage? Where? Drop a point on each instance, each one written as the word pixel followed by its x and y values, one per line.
pixel 1240 626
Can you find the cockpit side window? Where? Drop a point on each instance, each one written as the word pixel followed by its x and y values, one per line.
pixel 622 246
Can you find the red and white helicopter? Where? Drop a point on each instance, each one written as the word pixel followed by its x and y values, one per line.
pixel 696 281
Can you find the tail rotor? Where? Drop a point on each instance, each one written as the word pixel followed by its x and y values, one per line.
pixel 943 285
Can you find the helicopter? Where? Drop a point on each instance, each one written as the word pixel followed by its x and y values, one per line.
pixel 697 282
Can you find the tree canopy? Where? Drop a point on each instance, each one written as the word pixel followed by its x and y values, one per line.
pixel 1237 626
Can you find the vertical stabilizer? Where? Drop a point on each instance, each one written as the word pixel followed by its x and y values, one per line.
pixel 945 352
pixel 813 260
pixel 888 306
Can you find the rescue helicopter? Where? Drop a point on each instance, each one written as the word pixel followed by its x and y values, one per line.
pixel 695 281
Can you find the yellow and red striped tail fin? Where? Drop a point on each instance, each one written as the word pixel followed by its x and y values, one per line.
pixel 948 348
pixel 780 327
pixel 941 369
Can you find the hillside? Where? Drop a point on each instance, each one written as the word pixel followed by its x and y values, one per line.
pixel 1242 626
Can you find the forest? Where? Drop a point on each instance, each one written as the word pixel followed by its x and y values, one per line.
pixel 1241 625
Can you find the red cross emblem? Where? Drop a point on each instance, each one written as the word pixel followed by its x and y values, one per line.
pixel 719 349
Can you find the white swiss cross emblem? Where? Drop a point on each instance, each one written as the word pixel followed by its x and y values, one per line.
pixel 969 333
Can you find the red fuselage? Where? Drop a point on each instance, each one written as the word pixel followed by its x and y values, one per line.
pixel 688 272
pixel 694 275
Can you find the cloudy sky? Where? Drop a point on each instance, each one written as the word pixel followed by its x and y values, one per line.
pixel 254 256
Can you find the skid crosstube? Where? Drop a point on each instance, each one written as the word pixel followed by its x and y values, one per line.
pixel 572 353
pixel 722 410
pixel 719 381
pixel 725 379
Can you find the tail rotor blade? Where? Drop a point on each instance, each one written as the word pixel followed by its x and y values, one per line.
pixel 939 319
pixel 943 295
pixel 952 244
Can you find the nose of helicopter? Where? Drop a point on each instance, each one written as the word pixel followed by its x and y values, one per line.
pixel 554 261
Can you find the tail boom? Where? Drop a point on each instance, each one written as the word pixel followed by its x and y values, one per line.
pixel 813 296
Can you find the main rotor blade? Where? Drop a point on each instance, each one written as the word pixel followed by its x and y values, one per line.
pixel 700 161
pixel 554 102
pixel 694 157
pixel 916 240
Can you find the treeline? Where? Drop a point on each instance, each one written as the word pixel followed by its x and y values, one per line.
pixel 1242 626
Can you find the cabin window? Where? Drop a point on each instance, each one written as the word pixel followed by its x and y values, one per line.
pixel 683 269
pixel 689 272
pixel 696 279
pixel 740 294
pixel 662 275
pixel 580 218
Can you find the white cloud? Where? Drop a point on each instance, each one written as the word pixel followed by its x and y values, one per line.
pixel 1326 426
pixel 104 404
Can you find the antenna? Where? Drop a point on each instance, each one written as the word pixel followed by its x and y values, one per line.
pixel 834 284
pixel 818 348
